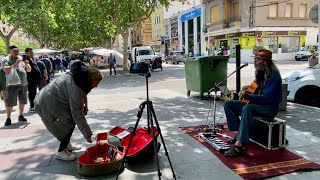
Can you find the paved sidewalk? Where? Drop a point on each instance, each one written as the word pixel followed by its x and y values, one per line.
pixel 27 149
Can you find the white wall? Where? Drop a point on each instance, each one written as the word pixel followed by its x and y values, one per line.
pixel 176 6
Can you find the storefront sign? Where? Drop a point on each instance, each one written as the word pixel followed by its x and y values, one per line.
pixel 244 34
pixel 247 42
pixel 261 33
pixel 282 33
pixel 174 27
pixel 191 15
pixel 231 35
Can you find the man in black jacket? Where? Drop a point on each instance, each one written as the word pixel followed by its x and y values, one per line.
pixel 33 78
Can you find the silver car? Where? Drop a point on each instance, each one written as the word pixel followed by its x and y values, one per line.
pixel 175 57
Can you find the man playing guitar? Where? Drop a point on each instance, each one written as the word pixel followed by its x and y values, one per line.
pixel 263 102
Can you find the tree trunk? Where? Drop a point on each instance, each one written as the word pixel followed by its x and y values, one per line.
pixel 125 51
pixel 6 40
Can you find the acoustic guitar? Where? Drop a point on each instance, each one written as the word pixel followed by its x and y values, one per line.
pixel 254 88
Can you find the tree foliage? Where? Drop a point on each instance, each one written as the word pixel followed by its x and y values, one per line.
pixel 74 24
pixel 126 14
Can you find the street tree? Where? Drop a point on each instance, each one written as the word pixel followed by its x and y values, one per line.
pixel 126 14
pixel 13 13
pixel 71 24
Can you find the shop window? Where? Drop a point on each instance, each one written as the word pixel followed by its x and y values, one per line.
pixel 270 43
pixel 303 10
pixel 273 10
pixel 215 13
pixel 290 44
pixel 288 11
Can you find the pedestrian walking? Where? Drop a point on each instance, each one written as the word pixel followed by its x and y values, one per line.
pixel 112 64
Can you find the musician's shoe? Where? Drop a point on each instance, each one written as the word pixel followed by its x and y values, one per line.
pixel 234 151
pixel 233 140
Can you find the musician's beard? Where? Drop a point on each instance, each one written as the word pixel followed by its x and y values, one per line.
pixel 259 66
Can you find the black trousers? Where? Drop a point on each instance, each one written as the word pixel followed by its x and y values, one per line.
pixel 64 143
pixel 32 89
pixel 112 67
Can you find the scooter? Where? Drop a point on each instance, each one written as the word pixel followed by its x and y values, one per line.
pixel 156 64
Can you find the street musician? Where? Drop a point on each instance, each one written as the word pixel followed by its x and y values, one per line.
pixel 261 98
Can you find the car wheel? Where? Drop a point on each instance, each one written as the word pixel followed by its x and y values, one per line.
pixel 297 59
pixel 308 96
pixel 166 62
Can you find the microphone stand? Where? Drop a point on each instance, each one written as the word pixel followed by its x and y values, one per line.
pixel 216 86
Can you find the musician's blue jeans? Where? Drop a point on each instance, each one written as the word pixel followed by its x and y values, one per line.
pixel 235 108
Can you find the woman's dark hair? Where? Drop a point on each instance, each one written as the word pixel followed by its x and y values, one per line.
pixel 79 72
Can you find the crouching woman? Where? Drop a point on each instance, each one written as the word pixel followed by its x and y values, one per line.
pixel 62 105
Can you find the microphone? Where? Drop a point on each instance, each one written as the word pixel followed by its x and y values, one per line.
pixel 244 65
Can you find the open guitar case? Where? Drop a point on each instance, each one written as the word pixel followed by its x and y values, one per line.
pixel 100 159
pixel 141 147
pixel 104 158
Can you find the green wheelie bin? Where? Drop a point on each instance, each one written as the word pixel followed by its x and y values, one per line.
pixel 204 72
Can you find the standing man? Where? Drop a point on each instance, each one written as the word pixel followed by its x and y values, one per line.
pixel 49 68
pixel 33 77
pixel 111 62
pixel 43 73
pixel 265 103
pixel 16 91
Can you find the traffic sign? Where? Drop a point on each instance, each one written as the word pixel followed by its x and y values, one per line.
pixel 259 37
pixel 313 14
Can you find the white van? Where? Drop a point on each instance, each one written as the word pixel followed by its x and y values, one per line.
pixel 142 54
pixel 305 52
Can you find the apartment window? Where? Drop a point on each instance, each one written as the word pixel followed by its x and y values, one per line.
pixel 302 10
pixel 166 29
pixel 273 10
pixel 215 13
pixel 236 10
pixel 227 10
pixel 288 11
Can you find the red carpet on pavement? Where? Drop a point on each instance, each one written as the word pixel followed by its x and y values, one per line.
pixel 257 162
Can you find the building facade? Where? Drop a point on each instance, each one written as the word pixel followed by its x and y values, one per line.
pixel 157 28
pixel 190 31
pixel 142 35
pixel 280 26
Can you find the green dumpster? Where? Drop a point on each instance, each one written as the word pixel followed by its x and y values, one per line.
pixel 203 73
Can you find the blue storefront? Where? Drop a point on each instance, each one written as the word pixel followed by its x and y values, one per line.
pixel 191 37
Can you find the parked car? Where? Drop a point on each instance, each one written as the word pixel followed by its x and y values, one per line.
pixel 304 86
pixel 175 57
pixel 306 52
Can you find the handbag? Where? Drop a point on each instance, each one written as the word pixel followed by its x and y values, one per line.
pixel 13 78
